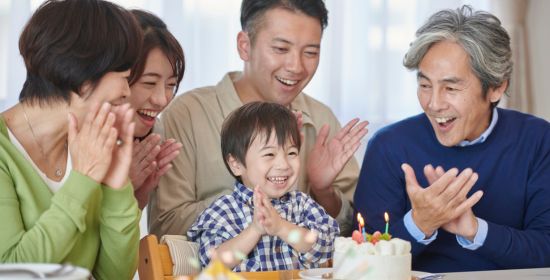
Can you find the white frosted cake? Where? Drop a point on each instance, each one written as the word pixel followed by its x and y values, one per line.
pixel 385 260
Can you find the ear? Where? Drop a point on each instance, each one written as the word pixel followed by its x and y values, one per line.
pixel 495 94
pixel 236 167
pixel 243 45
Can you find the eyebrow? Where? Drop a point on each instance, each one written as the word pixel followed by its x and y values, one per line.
pixel 267 148
pixel 281 40
pixel 151 74
pixel 450 80
pixel 156 75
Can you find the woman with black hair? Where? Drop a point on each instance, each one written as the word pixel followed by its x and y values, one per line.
pixel 66 147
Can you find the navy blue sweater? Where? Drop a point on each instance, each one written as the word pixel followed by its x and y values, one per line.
pixel 514 173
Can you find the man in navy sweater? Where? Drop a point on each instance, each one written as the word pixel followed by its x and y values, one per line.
pixel 468 184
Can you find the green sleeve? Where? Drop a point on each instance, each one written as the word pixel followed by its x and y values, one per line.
pixel 51 238
pixel 119 231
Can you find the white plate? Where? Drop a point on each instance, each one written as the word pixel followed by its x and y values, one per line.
pixel 317 273
pixel 77 274
pixel 314 273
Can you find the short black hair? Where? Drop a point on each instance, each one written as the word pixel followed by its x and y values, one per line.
pixel 252 12
pixel 252 119
pixel 69 42
pixel 156 35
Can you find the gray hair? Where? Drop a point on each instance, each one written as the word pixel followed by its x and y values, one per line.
pixel 480 34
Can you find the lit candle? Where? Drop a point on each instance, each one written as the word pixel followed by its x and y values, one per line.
pixel 362 224
pixel 387 218
pixel 359 218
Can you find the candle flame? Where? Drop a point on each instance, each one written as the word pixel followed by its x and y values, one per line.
pixel 386 216
pixel 360 219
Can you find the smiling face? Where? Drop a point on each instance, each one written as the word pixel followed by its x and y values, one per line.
pixel 152 91
pixel 282 59
pixel 271 167
pixel 451 95
pixel 112 87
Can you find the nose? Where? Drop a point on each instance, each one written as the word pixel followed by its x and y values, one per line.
pixel 437 101
pixel 294 62
pixel 160 95
pixel 126 92
pixel 282 162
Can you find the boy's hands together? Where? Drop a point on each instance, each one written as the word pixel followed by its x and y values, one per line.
pixel 257 224
pixel 266 216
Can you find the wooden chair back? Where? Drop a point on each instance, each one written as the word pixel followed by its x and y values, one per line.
pixel 155 262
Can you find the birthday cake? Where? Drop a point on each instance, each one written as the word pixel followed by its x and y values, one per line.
pixel 377 256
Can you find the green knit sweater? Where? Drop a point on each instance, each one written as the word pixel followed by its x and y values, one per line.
pixel 85 223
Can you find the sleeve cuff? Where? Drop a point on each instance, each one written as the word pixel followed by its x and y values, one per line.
pixel 118 199
pixel 415 232
pixel 479 239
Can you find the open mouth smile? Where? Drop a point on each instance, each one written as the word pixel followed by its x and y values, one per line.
pixel 444 121
pixel 278 180
pixel 286 82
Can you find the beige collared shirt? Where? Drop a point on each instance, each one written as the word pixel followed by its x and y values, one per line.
pixel 199 175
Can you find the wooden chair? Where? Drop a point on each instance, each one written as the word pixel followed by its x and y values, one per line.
pixel 155 262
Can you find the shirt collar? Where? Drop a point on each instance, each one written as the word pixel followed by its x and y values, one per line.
pixel 483 135
pixel 227 94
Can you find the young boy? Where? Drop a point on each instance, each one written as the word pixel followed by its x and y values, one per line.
pixel 265 218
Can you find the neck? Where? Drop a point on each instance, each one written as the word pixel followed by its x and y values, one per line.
pixel 245 90
pixel 48 124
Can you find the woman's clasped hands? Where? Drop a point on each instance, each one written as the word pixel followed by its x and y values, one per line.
pixel 101 146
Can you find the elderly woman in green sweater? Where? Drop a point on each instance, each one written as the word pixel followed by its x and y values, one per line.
pixel 66 148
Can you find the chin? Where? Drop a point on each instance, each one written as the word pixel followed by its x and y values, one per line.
pixel 140 132
pixel 446 142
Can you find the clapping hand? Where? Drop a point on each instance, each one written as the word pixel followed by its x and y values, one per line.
pixel 444 200
pixel 151 160
pixel 269 218
pixel 117 175
pixel 258 218
pixel 93 148
pixel 464 225
pixel 328 157
pixel 91 143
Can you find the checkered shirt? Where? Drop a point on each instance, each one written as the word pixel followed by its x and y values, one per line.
pixel 230 214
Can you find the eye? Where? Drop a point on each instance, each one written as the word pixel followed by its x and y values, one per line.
pixel 148 84
pixel 451 89
pixel 425 86
pixel 170 87
pixel 280 50
pixel 269 155
pixel 312 54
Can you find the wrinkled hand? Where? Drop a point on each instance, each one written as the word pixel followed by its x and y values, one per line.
pixel 464 225
pixel 328 157
pixel 270 219
pixel 443 201
pixel 168 151
pixel 117 176
pixel 91 144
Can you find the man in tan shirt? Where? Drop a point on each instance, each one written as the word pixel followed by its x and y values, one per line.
pixel 280 45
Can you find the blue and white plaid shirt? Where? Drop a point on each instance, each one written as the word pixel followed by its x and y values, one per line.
pixel 230 214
